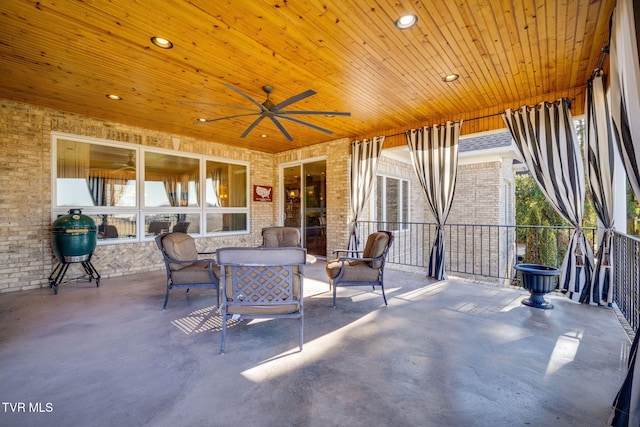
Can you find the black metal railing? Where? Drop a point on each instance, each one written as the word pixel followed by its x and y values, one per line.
pixel 484 251
pixel 625 261
pixel 478 250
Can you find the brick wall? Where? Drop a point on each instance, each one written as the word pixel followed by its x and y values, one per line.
pixel 337 155
pixel 482 189
pixel 26 257
pixel 25 174
pixel 484 194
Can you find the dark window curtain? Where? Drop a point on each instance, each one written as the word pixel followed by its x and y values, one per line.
pixel 216 180
pixel 171 187
pixel 625 114
pixel 97 185
pixel 184 197
pixel 365 156
pixel 599 151
pixel 434 154
pixel 176 188
pixel 546 139
pixel 117 190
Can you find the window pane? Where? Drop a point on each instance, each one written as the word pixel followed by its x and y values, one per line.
pixel 171 180
pixel 405 203
pixel 162 223
pixel 392 202
pixel 115 226
pixel 226 185
pixel 217 222
pixel 379 198
pixel 94 175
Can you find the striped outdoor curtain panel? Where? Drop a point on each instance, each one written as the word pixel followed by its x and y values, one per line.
pixel 625 114
pixel 365 156
pixel 600 152
pixel 546 139
pixel 434 154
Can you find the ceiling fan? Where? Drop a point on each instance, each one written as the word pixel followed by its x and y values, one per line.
pixel 275 112
pixel 130 165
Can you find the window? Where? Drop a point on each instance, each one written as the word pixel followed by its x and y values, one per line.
pixel 392 202
pixel 135 192
pixel 226 191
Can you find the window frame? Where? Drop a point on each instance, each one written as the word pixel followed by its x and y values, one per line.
pixel 140 211
pixel 402 184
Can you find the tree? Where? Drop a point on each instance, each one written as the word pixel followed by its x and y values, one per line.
pixel 532 211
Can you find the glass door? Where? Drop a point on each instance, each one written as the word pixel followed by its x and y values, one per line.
pixel 305 204
pixel 293 201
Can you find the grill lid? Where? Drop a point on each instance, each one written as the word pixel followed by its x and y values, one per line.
pixel 73 237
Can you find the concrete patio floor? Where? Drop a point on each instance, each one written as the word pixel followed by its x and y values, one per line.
pixel 449 353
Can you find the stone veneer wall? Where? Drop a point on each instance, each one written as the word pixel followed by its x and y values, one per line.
pixel 25 178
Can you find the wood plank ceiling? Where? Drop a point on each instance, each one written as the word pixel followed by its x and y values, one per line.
pixel 67 55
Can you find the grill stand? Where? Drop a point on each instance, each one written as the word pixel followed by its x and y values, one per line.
pixel 56 277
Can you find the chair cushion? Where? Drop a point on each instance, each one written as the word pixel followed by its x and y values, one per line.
pixel 280 237
pixel 376 244
pixel 196 273
pixel 254 310
pixel 355 270
pixel 181 247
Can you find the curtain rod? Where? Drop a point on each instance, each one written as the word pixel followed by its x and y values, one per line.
pixel 474 118
pixel 606 49
pixel 466 120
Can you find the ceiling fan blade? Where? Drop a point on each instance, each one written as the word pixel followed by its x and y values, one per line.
pixel 254 124
pixel 295 98
pixel 324 113
pixel 300 122
pixel 226 117
pixel 282 129
pixel 235 89
pixel 237 107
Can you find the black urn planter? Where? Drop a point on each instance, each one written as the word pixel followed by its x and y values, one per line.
pixel 538 280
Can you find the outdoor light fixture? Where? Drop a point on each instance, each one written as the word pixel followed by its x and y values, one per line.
pixel 161 42
pixel 450 78
pixel 406 22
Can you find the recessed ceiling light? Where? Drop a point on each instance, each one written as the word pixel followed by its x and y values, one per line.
pixel 201 119
pixel 406 21
pixel 161 42
pixel 114 97
pixel 264 135
pixel 450 78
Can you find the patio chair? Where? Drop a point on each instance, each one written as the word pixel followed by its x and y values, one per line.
pixel 181 227
pixel 159 227
pixel 281 237
pixel 261 283
pixel 363 270
pixel 184 269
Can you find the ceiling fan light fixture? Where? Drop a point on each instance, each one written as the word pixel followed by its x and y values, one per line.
pixel 114 97
pixel 161 42
pixel 406 21
pixel 276 113
pixel 450 78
